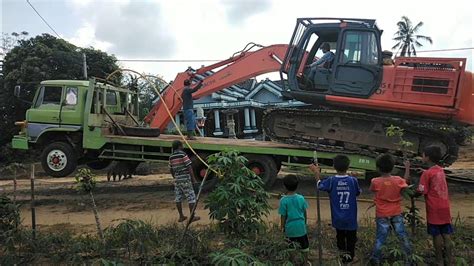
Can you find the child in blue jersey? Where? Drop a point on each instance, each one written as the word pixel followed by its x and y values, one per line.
pixel 343 190
pixel 293 215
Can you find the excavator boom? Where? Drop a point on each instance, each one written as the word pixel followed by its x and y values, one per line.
pixel 244 65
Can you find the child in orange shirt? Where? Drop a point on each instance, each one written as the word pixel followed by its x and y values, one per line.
pixel 438 213
pixel 388 201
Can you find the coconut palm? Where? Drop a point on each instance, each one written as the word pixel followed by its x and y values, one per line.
pixel 407 37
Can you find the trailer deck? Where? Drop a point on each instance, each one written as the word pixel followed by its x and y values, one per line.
pixel 159 149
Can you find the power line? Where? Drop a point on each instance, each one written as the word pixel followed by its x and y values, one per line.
pixel 216 60
pixel 446 50
pixel 443 50
pixel 44 20
pixel 208 60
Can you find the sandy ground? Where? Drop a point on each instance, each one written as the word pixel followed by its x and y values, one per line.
pixel 150 198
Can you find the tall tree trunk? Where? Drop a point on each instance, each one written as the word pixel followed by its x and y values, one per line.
pixel 404 50
pixel 96 216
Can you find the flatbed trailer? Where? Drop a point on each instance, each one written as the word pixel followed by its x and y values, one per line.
pixel 83 122
pixel 265 157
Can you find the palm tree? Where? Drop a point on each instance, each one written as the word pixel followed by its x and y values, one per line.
pixel 406 37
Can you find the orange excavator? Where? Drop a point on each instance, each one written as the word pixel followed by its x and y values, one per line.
pixel 354 98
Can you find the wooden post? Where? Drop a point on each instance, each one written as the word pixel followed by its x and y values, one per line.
pixel 413 213
pixel 33 211
pixel 318 206
pixel 14 185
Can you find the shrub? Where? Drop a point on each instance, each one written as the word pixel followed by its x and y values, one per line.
pixel 9 215
pixel 239 202
pixel 233 256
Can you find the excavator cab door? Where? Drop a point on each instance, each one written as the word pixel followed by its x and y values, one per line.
pixel 357 68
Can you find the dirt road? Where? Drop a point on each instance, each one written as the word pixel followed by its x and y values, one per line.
pixel 151 198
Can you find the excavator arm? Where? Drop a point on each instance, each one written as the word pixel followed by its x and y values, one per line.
pixel 246 64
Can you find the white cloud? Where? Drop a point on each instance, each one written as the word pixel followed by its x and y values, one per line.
pixel 85 37
pixel 215 29
pixel 131 28
pixel 81 3
pixel 239 10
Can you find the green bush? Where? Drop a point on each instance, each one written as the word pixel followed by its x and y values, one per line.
pixel 233 257
pixel 240 201
pixel 149 245
pixel 9 215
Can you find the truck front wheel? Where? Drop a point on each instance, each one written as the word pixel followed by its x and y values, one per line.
pixel 58 159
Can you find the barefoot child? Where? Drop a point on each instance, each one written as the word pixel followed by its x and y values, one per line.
pixel 293 216
pixel 343 190
pixel 182 172
pixel 438 214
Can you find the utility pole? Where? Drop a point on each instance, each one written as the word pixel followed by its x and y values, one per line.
pixel 84 65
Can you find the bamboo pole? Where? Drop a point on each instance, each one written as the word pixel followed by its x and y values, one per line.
pixel 318 210
pixel 33 210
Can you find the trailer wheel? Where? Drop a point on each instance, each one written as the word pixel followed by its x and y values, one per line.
pixel 200 171
pixel 58 159
pixel 99 165
pixel 263 166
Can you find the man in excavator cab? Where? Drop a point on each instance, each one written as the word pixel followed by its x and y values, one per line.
pixel 324 62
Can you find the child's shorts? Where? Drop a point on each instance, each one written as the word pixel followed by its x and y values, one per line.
pixel 184 189
pixel 301 240
pixel 440 229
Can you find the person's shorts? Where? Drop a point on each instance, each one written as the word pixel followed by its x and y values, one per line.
pixel 302 241
pixel 184 189
pixel 440 229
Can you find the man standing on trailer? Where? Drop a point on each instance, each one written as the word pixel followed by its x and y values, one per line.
pixel 188 107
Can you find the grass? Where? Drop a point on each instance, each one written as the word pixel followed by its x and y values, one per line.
pixel 139 242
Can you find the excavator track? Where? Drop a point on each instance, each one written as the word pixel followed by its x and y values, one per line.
pixel 352 132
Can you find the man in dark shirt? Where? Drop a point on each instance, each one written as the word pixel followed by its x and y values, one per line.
pixel 188 106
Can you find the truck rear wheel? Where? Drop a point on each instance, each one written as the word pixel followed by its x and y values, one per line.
pixel 263 166
pixel 58 159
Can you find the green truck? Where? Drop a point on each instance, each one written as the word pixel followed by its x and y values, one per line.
pixel 74 122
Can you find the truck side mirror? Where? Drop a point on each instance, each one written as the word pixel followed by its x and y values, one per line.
pixel 17 91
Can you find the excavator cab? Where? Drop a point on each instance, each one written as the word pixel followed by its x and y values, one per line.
pixel 356 66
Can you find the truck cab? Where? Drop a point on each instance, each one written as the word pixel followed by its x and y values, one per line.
pixel 58 122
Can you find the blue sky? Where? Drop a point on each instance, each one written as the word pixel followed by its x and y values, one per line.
pixel 215 29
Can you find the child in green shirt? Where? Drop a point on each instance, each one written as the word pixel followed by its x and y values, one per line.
pixel 293 215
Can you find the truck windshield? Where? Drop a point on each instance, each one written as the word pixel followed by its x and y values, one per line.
pixel 49 95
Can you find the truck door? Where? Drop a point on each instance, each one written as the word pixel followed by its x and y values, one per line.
pixel 358 65
pixel 71 111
